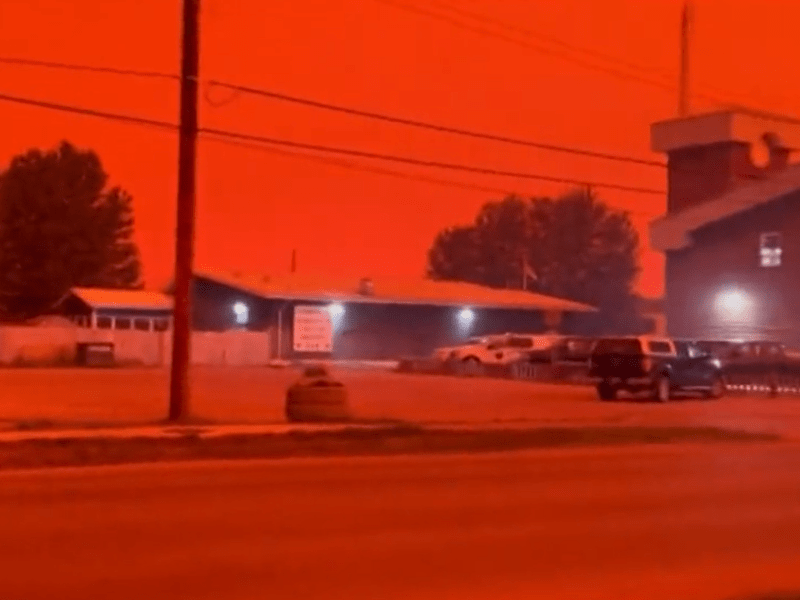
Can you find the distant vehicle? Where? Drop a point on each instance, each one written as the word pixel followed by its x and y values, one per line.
pixel 661 366
pixel 498 349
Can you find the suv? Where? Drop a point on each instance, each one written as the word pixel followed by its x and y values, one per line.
pixel 661 366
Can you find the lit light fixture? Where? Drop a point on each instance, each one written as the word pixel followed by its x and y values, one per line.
pixel 733 305
pixel 336 309
pixel 242 313
pixel 466 316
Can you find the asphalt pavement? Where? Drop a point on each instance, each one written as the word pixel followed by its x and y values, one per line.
pixel 679 522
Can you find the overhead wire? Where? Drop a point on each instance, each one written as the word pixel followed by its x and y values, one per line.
pixel 430 163
pixel 247 137
pixel 543 49
pixel 362 167
pixel 434 126
pixel 237 89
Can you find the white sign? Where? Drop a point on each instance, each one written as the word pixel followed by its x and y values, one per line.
pixel 313 329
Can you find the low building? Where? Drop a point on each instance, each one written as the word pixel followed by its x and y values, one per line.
pixel 731 235
pixel 97 308
pixel 366 319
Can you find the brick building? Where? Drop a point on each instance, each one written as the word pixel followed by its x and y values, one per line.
pixel 731 235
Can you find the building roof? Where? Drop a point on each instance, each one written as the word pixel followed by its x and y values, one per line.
pixel 99 298
pixel 729 125
pixel 673 232
pixel 385 291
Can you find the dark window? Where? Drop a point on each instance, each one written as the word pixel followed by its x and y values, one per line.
pixel 141 324
pixel 659 347
pixel 618 346
pixel 520 342
pixel 104 322
pixel 122 323
pixel 683 349
pixel 161 324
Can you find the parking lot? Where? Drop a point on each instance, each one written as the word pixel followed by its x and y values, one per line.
pixel 256 395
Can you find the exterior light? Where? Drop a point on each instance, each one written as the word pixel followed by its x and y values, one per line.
pixel 734 305
pixel 336 309
pixel 242 313
pixel 466 316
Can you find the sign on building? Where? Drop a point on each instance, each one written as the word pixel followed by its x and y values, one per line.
pixel 313 329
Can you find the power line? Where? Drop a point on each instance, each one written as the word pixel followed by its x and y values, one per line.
pixel 337 108
pixel 427 163
pixel 29 62
pixel 355 166
pixel 89 112
pixel 571 47
pixel 541 36
pixel 328 149
pixel 435 127
pixel 484 31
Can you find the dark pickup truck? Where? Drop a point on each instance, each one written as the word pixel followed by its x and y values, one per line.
pixel 661 366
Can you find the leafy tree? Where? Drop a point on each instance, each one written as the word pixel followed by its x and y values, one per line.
pixel 60 227
pixel 574 247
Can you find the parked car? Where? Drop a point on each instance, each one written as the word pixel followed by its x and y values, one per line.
pixel 760 362
pixel 661 366
pixel 498 349
pixel 569 350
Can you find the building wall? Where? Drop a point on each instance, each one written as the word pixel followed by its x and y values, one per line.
pixel 724 259
pixel 364 331
pixel 700 173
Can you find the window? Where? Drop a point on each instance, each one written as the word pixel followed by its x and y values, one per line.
pixel 771 249
pixel 122 323
pixel 683 349
pixel 161 324
pixel 520 342
pixel 618 346
pixel 104 322
pixel 659 347
pixel 141 324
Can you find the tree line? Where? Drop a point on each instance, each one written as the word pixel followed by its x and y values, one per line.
pixel 62 225
pixel 574 246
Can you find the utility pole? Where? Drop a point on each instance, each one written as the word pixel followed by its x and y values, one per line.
pixel 184 232
pixel 686 31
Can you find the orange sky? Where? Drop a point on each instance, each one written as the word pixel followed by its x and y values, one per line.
pixel 255 206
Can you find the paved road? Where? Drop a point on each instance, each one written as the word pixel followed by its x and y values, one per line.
pixel 679 522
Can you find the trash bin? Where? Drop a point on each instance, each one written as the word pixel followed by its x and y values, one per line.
pixel 95 354
pixel 317 397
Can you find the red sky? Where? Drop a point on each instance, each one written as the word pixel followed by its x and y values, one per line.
pixel 254 206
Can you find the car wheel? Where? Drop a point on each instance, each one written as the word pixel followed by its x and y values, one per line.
pixel 717 389
pixel 661 389
pixel 606 391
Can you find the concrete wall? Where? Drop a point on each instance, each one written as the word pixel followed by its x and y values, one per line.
pixel 49 345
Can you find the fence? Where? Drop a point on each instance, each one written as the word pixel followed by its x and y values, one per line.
pixel 57 345
pixel 772 378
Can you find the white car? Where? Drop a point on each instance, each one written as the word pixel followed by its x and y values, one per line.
pixel 499 349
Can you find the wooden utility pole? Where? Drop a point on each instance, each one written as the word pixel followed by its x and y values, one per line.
pixel 686 32
pixel 184 232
